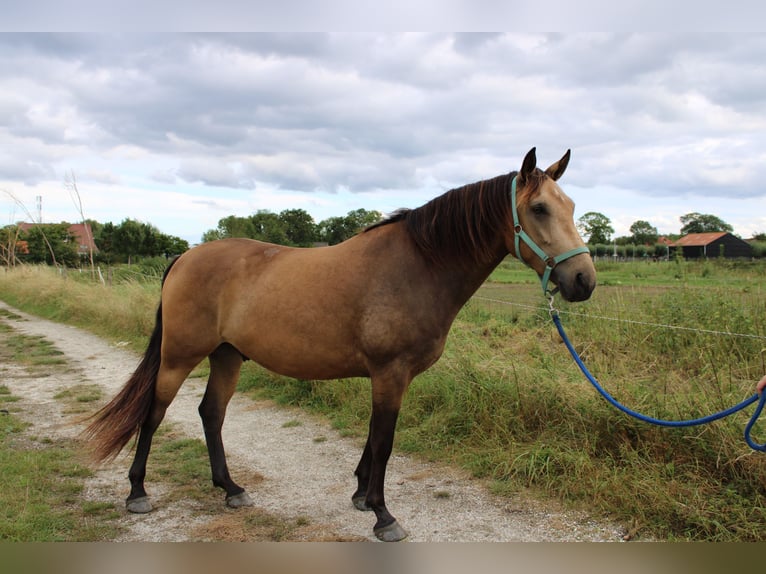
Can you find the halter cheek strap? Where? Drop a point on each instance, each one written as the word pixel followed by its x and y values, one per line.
pixel 521 235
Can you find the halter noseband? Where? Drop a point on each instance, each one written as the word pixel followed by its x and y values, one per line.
pixel 550 262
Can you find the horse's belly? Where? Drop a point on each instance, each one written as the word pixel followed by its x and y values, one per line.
pixel 304 359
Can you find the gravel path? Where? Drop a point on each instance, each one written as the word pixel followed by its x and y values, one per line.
pixel 289 470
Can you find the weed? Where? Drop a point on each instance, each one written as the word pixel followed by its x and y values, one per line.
pixel 6 396
pixel 291 424
pixel 78 397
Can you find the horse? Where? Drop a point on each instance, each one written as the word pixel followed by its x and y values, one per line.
pixel 378 305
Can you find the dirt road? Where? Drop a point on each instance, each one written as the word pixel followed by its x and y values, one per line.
pixel 290 470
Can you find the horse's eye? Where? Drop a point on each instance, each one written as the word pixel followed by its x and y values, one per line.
pixel 539 209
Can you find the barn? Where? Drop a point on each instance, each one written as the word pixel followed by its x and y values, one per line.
pixel 714 244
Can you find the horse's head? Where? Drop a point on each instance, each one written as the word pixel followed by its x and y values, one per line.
pixel 543 233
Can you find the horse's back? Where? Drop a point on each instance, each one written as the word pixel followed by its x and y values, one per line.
pixel 293 310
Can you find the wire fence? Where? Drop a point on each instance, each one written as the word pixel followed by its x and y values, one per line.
pixel 622 320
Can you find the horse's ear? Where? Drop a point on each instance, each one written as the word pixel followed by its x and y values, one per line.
pixel 528 165
pixel 557 169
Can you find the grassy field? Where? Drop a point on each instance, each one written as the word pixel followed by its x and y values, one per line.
pixel 674 339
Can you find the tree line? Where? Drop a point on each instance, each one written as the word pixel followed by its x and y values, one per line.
pixel 293 227
pixel 130 239
pixel 54 243
pixel 123 242
pixel 644 239
pixel 597 229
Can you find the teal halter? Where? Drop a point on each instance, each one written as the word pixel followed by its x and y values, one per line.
pixel 550 262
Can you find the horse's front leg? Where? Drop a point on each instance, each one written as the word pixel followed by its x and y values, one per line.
pixel 362 473
pixel 387 399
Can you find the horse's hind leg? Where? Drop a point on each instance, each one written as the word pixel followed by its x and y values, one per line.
pixel 168 383
pixel 225 364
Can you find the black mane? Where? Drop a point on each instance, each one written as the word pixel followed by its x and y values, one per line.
pixel 460 225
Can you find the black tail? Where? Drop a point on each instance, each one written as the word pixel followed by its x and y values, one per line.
pixel 116 423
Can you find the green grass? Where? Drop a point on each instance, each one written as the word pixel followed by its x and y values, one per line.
pixel 42 478
pixel 33 351
pixel 78 398
pixel 6 396
pixel 40 499
pixel 80 393
pixel 182 463
pixel 507 402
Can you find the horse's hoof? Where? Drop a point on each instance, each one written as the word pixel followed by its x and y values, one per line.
pixel 391 533
pixel 239 500
pixel 139 505
pixel 360 503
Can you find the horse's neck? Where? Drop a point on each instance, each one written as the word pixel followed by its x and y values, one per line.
pixel 460 284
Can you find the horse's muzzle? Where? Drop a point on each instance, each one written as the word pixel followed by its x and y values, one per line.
pixel 575 282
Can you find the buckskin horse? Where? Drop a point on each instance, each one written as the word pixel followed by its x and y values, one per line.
pixel 378 305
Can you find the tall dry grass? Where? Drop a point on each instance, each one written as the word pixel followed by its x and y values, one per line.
pixel 121 312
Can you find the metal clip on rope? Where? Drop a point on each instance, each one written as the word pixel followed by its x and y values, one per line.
pixel 660 422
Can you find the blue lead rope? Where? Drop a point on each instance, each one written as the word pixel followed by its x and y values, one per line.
pixel 688 423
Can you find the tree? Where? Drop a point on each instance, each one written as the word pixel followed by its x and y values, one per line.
pixel 299 227
pixel 212 235
pixel 133 238
pixel 51 243
pixel 596 226
pixel 129 238
pixel 103 235
pixel 174 245
pixel 643 233
pixel 264 225
pixel 268 227
pixel 337 229
pixel 18 202
pixel 9 236
pixel 292 227
pixel 702 223
pixel 233 226
pixel 361 218
pixel 333 230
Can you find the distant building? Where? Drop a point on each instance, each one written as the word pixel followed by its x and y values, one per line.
pixel 713 244
pixel 83 234
pixel 664 240
pixel 80 232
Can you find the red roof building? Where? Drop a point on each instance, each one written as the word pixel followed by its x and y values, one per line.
pixel 713 244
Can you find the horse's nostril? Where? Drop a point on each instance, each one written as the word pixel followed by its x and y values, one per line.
pixel 584 284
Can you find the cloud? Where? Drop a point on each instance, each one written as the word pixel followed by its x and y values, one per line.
pixel 655 115
pixel 214 173
pixel 25 171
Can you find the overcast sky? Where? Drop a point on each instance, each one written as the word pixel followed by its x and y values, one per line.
pixel 182 130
